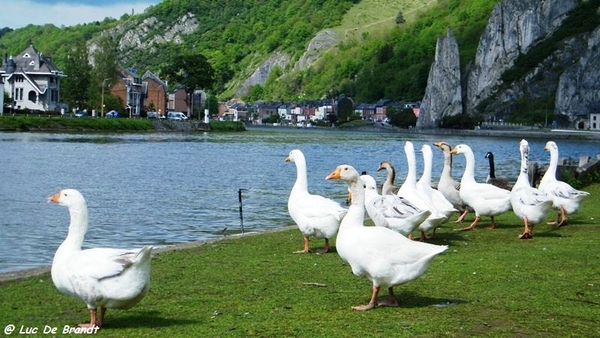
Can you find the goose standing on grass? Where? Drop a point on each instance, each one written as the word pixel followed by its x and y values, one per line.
pixel 491 178
pixel 103 278
pixel 529 204
pixel 391 211
pixel 315 215
pixel 447 185
pixel 410 191
pixel 424 185
pixel 566 199
pixel 383 256
pixel 485 199
pixel 388 187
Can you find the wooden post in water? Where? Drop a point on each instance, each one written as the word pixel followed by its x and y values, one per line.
pixel 241 208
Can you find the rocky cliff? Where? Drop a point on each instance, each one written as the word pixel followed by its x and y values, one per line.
pixel 443 95
pixel 514 27
pixel 577 93
pixel 262 72
pixel 136 35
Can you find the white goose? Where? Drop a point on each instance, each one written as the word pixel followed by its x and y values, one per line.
pixel 485 199
pixel 447 185
pixel 409 191
pixel 566 199
pixel 103 278
pixel 382 255
pixel 391 211
pixel 315 215
pixel 388 187
pixel 529 204
pixel 424 185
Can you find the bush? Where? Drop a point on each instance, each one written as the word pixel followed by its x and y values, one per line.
pixel 226 126
pixel 461 121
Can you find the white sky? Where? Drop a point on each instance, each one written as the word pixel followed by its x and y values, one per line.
pixel 66 12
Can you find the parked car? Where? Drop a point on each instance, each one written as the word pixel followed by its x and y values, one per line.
pixel 82 114
pixel 112 114
pixel 152 114
pixel 172 115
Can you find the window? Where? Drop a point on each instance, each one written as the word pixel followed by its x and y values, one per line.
pixel 18 94
pixel 32 97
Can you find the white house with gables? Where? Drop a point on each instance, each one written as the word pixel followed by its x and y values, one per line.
pixel 31 81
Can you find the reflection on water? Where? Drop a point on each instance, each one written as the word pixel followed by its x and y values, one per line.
pixel 166 188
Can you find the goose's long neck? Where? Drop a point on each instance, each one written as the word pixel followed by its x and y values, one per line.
pixel 427 160
pixel 447 171
pixel 469 174
pixel 301 184
pixel 551 172
pixel 523 178
pixel 391 175
pixel 411 176
pixel 356 211
pixel 492 169
pixel 77 228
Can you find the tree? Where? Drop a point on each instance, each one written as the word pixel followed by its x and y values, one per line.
pixel 192 71
pixel 345 110
pixel 105 70
pixel 400 18
pixel 401 117
pixel 75 86
pixel 212 104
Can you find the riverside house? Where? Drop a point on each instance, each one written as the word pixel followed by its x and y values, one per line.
pixel 31 81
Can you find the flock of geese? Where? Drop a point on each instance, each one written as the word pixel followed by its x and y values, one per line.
pixel 385 254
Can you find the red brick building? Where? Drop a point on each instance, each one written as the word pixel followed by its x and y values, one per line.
pixel 156 93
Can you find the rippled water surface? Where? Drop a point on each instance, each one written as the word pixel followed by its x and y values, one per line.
pixel 162 189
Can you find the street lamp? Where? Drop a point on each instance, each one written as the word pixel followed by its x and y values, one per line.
pixel 102 108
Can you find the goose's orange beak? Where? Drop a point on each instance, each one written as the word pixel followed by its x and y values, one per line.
pixel 54 198
pixel 336 175
pixel 454 151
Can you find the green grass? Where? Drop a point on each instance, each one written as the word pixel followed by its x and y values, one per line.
pixel 489 283
pixel 373 16
pixel 31 123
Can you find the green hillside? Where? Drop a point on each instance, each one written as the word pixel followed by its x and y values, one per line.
pixel 376 57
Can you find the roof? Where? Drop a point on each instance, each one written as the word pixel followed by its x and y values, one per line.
pixel 31 61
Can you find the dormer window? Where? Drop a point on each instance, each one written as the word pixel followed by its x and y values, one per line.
pixel 32 63
pixel 26 55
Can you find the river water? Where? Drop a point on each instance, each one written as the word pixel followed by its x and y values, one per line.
pixel 169 188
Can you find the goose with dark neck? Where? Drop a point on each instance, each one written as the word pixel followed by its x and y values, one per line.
pixel 491 178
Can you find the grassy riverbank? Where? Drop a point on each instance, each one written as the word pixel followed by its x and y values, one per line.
pixel 489 283
pixel 70 124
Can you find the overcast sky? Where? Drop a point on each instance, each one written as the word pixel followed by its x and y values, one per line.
pixel 20 13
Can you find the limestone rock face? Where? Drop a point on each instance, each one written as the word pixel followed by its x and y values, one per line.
pixel 514 27
pixel 443 95
pixel 142 35
pixel 261 74
pixel 571 73
pixel 578 87
pixel 321 43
